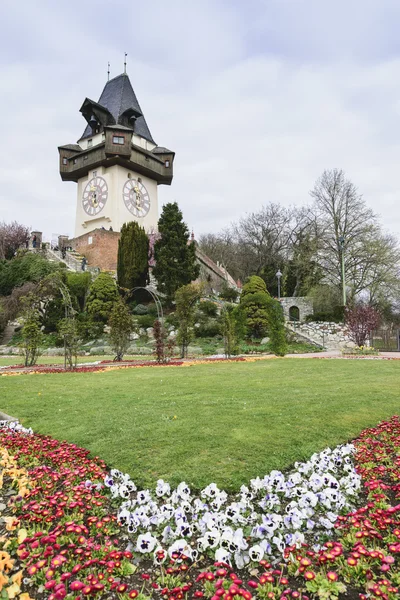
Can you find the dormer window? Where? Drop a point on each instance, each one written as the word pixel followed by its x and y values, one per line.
pixel 118 139
pixel 90 143
pixel 167 163
pixel 64 161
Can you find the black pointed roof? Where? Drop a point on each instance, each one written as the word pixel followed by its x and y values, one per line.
pixel 118 97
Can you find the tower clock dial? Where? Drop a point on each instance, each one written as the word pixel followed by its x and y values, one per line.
pixel 95 196
pixel 136 197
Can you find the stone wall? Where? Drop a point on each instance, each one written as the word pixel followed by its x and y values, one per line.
pixel 296 309
pixel 100 247
pixel 332 336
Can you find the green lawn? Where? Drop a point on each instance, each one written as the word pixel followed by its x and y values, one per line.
pixel 233 420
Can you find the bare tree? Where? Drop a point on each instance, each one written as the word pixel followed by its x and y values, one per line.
pixel 342 218
pixel 12 236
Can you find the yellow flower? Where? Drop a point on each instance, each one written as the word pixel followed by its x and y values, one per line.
pixel 13 590
pixel 25 596
pixel 17 578
pixel 11 523
pixel 22 534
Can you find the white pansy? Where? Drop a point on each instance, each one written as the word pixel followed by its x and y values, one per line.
pixel 163 488
pixel 146 543
pixel 278 509
pixel 256 553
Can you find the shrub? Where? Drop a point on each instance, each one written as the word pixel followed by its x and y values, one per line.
pixel 103 293
pixel 209 308
pixel 361 320
pixel 208 329
pixel 145 321
pixel 254 303
pixel 31 336
pixel 140 309
pixel 172 320
pixel 229 294
pixel 185 299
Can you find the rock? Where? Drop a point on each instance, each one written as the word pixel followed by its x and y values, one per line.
pixel 134 336
pixel 265 340
pixel 53 352
pixel 194 350
pixel 350 345
pixel 142 332
pixel 107 329
pixel 144 350
pixel 172 334
pixel 150 332
pixel 97 350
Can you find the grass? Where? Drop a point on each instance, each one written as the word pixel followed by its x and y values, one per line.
pixel 224 422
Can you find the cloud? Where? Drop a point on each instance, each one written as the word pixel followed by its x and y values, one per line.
pixel 256 98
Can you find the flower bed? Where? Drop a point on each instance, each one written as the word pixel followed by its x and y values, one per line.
pixel 73 529
pixel 107 365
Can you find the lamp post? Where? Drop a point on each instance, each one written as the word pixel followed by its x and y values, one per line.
pixel 279 275
pixel 341 244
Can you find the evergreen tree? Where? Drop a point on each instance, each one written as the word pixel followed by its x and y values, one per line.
pixel 254 303
pixel 276 327
pixel 175 258
pixel 103 293
pixel 133 257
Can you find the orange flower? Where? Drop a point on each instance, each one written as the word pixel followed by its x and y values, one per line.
pixel 17 578
pixel 6 563
pixel 3 580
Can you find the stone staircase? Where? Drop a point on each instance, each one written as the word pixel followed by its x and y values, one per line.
pixel 72 259
pixel 330 336
pixel 8 333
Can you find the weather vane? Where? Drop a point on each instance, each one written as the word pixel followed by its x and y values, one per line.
pixel 108 72
pixel 125 62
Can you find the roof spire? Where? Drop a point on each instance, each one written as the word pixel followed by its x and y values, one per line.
pixel 108 72
pixel 125 63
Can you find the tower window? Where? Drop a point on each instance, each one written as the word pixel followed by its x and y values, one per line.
pixel 64 161
pixel 89 143
pixel 118 139
pixel 167 163
pixel 103 136
pixel 85 157
pixel 94 173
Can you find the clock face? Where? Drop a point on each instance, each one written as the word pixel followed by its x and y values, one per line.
pixel 94 196
pixel 136 197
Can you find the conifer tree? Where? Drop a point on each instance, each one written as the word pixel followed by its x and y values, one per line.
pixel 175 257
pixel 133 256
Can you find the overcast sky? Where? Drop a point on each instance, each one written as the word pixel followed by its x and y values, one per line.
pixel 256 97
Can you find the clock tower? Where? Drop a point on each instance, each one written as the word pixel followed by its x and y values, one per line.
pixel 116 163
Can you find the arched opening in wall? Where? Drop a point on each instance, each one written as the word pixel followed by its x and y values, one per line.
pixel 294 313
